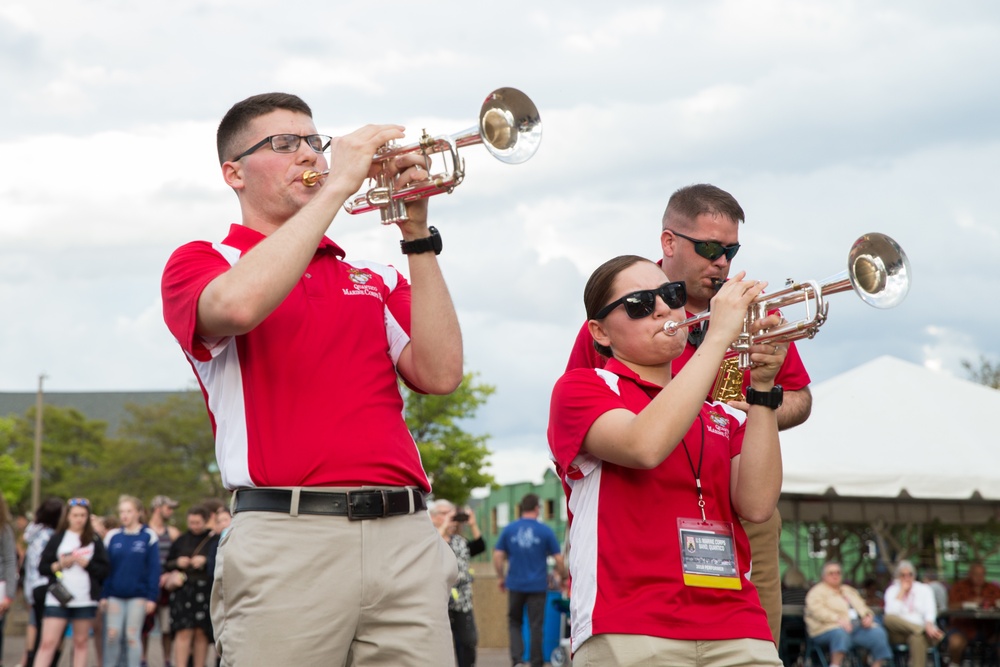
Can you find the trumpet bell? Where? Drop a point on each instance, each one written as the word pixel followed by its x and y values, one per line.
pixel 510 126
pixel 879 270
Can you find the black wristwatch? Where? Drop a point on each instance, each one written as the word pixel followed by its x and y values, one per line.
pixel 426 244
pixel 769 399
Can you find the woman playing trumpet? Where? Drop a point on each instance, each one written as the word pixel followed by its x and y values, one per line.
pixel 656 477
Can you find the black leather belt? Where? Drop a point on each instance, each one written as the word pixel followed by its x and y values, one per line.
pixel 355 505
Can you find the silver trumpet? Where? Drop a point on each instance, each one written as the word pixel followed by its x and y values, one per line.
pixel 509 127
pixel 877 270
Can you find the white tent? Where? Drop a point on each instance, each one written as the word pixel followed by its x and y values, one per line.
pixel 895 442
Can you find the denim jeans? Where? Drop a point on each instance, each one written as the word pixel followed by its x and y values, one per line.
pixel 122 631
pixel 873 639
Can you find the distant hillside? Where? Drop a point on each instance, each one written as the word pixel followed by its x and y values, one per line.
pixel 107 406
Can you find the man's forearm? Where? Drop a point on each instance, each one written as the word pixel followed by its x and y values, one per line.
pixel 236 301
pixel 795 408
pixel 434 356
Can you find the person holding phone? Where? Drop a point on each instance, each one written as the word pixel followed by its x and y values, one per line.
pixel 79 560
pixel 450 522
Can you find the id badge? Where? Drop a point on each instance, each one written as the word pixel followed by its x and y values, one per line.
pixel 708 554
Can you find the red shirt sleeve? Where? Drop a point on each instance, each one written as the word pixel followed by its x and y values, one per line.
pixel 579 397
pixel 188 271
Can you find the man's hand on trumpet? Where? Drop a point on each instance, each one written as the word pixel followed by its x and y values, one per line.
pixel 351 157
pixel 408 169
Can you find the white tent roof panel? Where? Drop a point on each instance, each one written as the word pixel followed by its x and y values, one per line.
pixel 892 429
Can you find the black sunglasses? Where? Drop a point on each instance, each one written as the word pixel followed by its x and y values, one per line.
pixel 289 143
pixel 642 303
pixel 711 250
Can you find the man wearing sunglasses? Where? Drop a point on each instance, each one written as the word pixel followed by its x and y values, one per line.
pixel 330 558
pixel 699 238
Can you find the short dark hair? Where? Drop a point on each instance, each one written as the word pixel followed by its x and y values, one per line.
pixel 529 503
pixel 597 292
pixel 49 512
pixel 234 124
pixel 198 510
pixel 693 200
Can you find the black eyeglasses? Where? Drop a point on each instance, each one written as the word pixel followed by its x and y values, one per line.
pixel 289 143
pixel 711 250
pixel 79 502
pixel 642 303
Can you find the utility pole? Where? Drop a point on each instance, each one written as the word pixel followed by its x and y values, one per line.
pixel 36 482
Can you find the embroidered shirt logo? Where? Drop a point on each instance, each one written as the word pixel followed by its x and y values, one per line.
pixel 719 424
pixel 359 276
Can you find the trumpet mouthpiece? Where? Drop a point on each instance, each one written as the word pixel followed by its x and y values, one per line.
pixel 670 328
pixel 311 178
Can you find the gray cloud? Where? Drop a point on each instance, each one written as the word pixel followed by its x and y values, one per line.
pixel 826 121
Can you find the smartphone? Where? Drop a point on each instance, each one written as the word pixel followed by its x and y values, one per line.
pixel 460 517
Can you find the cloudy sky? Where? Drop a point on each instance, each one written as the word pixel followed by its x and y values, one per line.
pixel 826 120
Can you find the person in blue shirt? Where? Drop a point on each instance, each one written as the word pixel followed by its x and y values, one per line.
pixel 132 589
pixel 525 546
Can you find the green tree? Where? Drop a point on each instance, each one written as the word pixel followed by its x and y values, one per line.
pixel 987 373
pixel 454 459
pixel 72 450
pixel 14 476
pixel 168 448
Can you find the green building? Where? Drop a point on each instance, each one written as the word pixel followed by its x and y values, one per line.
pixel 502 506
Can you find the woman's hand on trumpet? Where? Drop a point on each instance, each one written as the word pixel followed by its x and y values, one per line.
pixel 730 306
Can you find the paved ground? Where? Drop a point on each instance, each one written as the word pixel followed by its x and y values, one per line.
pixel 13 646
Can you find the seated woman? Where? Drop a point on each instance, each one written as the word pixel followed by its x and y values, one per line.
pixel 838 619
pixel 656 477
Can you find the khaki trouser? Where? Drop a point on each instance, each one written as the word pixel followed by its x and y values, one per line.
pixel 765 541
pixel 902 631
pixel 646 651
pixel 324 590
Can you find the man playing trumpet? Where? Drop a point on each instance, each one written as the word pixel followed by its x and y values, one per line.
pixel 699 238
pixel 330 558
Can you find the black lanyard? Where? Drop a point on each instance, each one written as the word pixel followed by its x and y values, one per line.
pixel 697 472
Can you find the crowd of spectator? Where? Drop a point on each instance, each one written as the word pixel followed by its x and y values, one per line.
pixel 112 581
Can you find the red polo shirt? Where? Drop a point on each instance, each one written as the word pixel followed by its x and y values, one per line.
pixel 310 397
pixel 625 557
